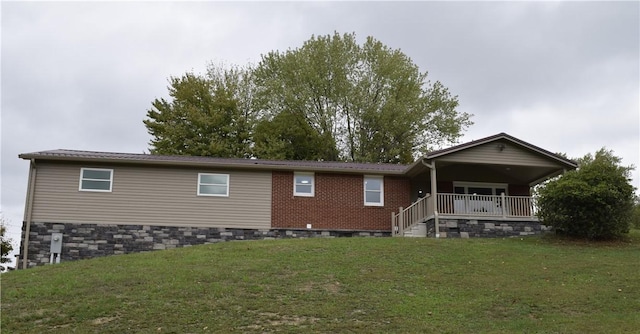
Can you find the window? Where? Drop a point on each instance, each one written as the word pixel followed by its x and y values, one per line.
pixel 479 188
pixel 479 199
pixel 373 190
pixel 95 179
pixel 303 184
pixel 213 184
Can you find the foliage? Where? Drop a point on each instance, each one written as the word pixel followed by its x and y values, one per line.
pixel 207 116
pixel 636 214
pixel 368 102
pixel 595 201
pixel 288 136
pixel 342 285
pixel 5 243
pixel 331 99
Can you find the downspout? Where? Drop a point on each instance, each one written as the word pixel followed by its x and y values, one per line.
pixel 28 211
pixel 434 194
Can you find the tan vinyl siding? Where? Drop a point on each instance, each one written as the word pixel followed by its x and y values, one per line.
pixel 152 196
pixel 490 154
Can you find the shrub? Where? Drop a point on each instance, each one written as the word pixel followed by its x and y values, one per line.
pixel 596 201
pixel 635 221
pixel 5 245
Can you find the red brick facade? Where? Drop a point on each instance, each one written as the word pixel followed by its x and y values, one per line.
pixel 338 203
pixel 519 190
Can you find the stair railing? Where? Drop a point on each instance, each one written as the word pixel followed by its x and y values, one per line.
pixel 412 215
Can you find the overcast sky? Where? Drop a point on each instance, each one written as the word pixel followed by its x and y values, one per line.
pixel 81 75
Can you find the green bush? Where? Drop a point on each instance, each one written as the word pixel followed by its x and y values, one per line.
pixel 636 214
pixel 595 201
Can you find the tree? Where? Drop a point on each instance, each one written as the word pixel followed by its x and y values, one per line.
pixel 287 136
pixel 5 244
pixel 331 99
pixel 367 102
pixel 595 201
pixel 208 115
pixel 636 214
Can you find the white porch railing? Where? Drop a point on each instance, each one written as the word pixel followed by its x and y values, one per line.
pixel 486 205
pixel 412 215
pixel 462 205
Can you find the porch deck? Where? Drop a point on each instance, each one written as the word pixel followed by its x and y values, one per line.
pixel 478 207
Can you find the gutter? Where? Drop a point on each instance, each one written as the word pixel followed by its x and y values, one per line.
pixel 28 212
pixel 434 182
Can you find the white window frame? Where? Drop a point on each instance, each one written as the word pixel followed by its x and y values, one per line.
pixel 364 187
pixel 226 194
pixel 82 178
pixel 313 184
pixel 493 186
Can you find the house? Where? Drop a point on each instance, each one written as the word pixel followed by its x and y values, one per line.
pixel 85 204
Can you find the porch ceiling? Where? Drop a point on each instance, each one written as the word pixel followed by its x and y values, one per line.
pixel 491 173
pixel 495 173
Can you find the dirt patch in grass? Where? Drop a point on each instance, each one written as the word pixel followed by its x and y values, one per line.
pixel 103 320
pixel 270 321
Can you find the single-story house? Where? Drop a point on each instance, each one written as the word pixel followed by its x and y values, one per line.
pixel 84 204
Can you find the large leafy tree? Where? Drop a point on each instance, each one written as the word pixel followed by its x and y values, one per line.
pixel 207 115
pixel 331 99
pixel 367 102
pixel 595 201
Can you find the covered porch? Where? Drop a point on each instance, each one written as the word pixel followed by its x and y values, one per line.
pixel 475 187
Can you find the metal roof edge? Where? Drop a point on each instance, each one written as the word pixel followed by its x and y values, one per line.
pixel 258 165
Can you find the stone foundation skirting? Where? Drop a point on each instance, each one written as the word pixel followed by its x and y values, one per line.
pixel 85 241
pixel 476 228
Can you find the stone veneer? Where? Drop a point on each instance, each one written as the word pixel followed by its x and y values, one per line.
pixel 489 228
pixel 84 241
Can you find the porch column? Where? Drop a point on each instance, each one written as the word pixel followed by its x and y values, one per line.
pixel 434 196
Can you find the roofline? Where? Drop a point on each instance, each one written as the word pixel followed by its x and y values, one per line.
pixel 502 135
pixel 277 165
pixel 264 165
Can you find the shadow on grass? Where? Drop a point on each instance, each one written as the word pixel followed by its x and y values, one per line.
pixel 631 238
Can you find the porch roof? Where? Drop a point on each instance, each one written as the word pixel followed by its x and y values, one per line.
pixel 510 158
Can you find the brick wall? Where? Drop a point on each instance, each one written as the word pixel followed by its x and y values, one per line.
pixel 445 187
pixel 338 203
pixel 519 190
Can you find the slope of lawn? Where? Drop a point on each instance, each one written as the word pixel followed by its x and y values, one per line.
pixel 356 285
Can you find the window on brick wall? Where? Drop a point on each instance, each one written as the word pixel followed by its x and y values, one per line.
pixel 373 190
pixel 303 184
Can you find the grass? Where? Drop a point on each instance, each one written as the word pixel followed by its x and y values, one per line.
pixel 352 285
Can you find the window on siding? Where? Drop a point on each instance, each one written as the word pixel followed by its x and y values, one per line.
pixel 373 190
pixel 303 184
pixel 96 179
pixel 213 184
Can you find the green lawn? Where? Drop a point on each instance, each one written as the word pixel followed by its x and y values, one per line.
pixel 353 285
